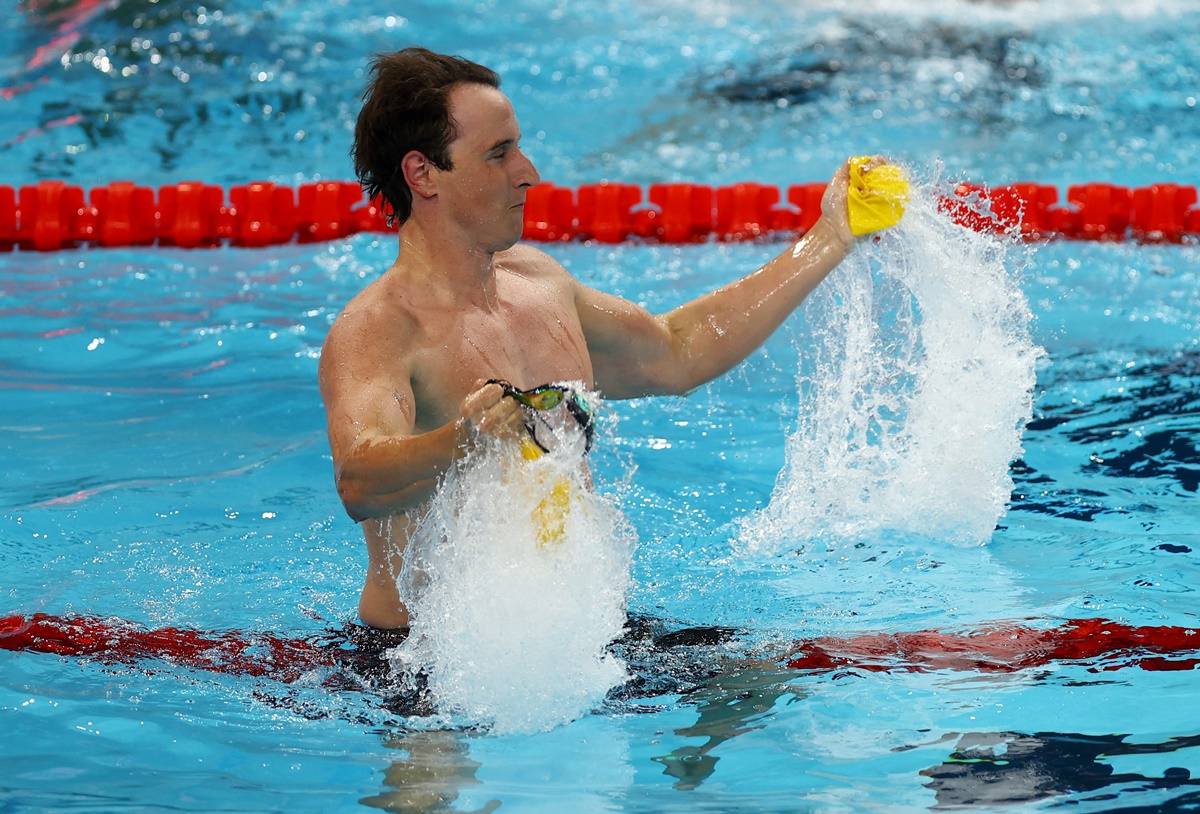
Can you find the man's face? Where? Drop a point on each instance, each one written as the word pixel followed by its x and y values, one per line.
pixel 485 192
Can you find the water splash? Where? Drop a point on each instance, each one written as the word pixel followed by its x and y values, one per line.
pixel 510 630
pixel 915 387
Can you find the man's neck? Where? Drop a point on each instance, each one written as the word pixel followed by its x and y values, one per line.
pixel 447 262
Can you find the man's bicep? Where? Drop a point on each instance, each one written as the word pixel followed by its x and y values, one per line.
pixel 362 403
pixel 633 352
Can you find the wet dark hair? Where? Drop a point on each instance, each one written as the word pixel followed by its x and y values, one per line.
pixel 406 108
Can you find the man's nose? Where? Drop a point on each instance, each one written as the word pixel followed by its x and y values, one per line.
pixel 528 175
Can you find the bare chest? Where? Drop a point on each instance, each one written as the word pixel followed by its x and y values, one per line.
pixel 529 337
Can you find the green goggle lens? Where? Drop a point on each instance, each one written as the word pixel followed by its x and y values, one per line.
pixel 540 399
pixel 547 397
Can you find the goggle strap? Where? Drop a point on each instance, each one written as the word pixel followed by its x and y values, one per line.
pixel 524 397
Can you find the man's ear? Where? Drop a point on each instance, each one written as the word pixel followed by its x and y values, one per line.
pixel 417 174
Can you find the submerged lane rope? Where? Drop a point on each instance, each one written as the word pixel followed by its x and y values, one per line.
pixel 1005 647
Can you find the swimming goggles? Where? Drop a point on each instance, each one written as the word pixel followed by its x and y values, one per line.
pixel 544 398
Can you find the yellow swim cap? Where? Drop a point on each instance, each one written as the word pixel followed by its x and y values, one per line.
pixel 877 196
pixel 550 516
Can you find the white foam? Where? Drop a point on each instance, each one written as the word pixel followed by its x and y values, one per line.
pixel 1029 13
pixel 512 633
pixel 915 387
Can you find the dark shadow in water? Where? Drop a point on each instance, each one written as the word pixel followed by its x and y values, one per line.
pixel 1148 427
pixel 1145 428
pixel 1003 768
pixel 1039 493
pixel 863 61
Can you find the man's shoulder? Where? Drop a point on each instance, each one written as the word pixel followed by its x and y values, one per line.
pixel 528 258
pixel 374 314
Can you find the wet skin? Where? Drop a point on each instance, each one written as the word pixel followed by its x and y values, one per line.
pixel 404 367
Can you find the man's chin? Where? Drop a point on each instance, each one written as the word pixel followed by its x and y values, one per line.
pixel 509 241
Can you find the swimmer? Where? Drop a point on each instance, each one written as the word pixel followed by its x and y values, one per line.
pixel 426 360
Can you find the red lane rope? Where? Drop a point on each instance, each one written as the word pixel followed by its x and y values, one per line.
pixel 1006 647
pixel 54 215
pixel 114 641
pixel 1102 644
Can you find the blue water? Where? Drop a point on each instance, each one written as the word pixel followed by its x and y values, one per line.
pixel 166 459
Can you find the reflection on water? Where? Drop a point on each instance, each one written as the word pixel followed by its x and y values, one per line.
pixel 729 705
pixel 430 775
pixel 435 767
pixel 983 769
pixel 993 768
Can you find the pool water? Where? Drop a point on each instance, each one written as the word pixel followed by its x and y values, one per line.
pixel 167 462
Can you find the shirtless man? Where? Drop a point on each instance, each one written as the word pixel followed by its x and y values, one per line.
pixel 404 369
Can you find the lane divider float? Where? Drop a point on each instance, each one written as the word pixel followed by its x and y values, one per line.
pixel 1098 645
pixel 54 215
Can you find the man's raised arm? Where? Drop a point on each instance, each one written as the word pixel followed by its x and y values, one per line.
pixel 635 353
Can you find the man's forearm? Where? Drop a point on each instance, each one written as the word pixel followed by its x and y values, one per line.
pixel 387 475
pixel 720 329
